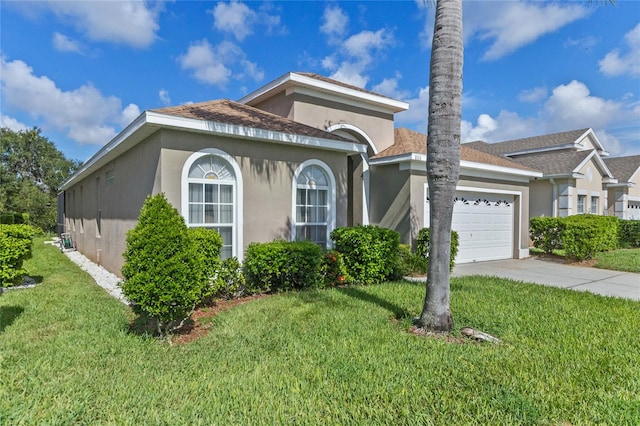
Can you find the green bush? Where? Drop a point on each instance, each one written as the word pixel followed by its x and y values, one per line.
pixel 410 262
pixel 423 246
pixel 334 271
pixel 585 235
pixel 231 283
pixel 15 247
pixel 163 272
pixel 546 233
pixel 629 233
pixel 370 252
pixel 282 265
pixel 208 244
pixel 14 218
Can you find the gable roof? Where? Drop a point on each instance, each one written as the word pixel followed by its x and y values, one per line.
pixel 221 117
pixel 411 142
pixel 537 144
pixel 226 111
pixel 556 163
pixel 623 168
pixel 410 147
pixel 324 86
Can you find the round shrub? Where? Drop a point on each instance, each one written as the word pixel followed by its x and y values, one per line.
pixel 163 271
pixel 422 246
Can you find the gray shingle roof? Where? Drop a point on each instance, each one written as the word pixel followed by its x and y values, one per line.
pixel 409 141
pixel 622 168
pixel 532 143
pixel 555 163
pixel 226 111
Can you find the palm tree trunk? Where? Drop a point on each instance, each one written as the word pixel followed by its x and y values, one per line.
pixel 443 158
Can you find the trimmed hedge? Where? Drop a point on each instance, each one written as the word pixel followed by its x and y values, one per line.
pixel 163 270
pixel 15 247
pixel 370 252
pixel 423 246
pixel 585 235
pixel 546 233
pixel 629 233
pixel 581 236
pixel 208 244
pixel 282 265
pixel 14 218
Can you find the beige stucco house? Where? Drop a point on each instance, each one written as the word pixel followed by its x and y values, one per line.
pixel 295 159
pixel 624 195
pixel 575 179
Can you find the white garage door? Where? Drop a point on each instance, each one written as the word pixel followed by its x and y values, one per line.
pixel 633 210
pixel 484 222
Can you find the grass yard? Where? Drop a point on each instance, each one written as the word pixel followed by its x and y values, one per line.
pixel 619 260
pixel 339 356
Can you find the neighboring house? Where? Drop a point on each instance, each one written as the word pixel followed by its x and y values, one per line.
pixel 295 159
pixel 624 196
pixel 575 177
pixel 491 206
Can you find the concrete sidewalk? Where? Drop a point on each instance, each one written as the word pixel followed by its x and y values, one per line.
pixel 555 273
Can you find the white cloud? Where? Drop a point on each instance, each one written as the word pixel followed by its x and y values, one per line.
pixel 130 113
pixel 615 63
pixel 65 44
pixel 334 23
pixel 389 87
pixel 164 97
pixel 84 113
pixel 533 95
pixel 217 64
pixel 514 24
pixel 570 106
pixel 12 123
pixel 417 114
pixel 235 18
pixel 355 55
pixel 128 22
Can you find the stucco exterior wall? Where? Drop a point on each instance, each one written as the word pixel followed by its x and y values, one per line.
pixel 541 199
pixel 112 197
pixel 267 173
pixel 590 186
pixel 391 200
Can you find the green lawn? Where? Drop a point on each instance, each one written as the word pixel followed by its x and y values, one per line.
pixel 619 260
pixel 339 356
pixel 627 260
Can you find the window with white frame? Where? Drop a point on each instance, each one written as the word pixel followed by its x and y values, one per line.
pixel 211 198
pixel 314 195
pixel 581 202
pixel 595 204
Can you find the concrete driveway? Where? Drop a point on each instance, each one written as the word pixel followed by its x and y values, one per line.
pixel 555 273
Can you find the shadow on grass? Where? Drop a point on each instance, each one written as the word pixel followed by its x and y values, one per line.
pixel 8 315
pixel 397 311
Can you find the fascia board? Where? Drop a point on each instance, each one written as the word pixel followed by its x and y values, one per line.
pixel 539 150
pixel 290 80
pixel 598 162
pixel 417 162
pixel 108 150
pixel 245 132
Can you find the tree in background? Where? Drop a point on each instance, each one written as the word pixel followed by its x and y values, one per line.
pixel 443 158
pixel 32 170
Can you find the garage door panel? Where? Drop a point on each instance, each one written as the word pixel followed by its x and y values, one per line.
pixel 484 223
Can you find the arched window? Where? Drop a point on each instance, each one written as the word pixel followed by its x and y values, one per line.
pixel 314 215
pixel 211 182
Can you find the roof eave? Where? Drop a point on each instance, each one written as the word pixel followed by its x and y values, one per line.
pixel 294 79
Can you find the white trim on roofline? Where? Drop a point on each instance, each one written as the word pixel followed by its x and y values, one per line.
pixel 572 145
pixel 599 162
pixel 152 121
pixel 293 79
pixel 414 161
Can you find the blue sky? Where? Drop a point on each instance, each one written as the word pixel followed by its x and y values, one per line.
pixel 82 70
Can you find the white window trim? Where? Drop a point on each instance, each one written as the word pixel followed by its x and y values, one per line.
pixel 331 219
pixel 237 236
